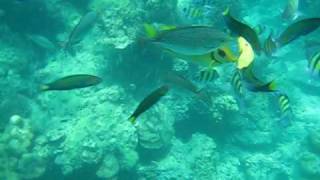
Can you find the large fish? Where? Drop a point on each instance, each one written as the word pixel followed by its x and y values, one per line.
pixel 72 82
pixel 298 29
pixel 82 28
pixel 237 51
pixel 243 30
pixel 291 11
pixel 189 40
pixel 180 81
pixel 148 102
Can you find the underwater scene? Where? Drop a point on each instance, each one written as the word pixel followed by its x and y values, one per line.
pixel 159 90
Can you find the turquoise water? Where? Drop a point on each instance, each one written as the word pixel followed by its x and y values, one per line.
pixel 85 133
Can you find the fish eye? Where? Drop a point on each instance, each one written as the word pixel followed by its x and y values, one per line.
pixel 221 53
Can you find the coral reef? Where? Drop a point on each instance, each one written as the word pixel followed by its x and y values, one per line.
pixel 19 157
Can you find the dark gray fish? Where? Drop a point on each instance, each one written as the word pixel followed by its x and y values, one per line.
pixel 243 30
pixel 177 80
pixel 72 82
pixel 148 102
pixel 300 28
pixel 82 28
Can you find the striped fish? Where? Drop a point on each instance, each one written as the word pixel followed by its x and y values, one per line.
pixel 193 12
pixel 238 89
pixel 208 75
pixel 314 64
pixel 285 109
pixel 269 46
pixel 236 83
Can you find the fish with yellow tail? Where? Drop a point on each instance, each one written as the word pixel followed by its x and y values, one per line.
pixel 241 29
pixel 254 84
pixel 203 45
pixel 148 102
pixel 238 51
pixel 72 82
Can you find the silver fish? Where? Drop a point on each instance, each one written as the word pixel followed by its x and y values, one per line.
pixel 191 40
pixel 82 28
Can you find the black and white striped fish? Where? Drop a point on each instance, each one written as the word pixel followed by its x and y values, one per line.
pixel 314 64
pixel 285 109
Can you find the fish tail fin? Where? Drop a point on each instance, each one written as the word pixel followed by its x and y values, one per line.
pixel 150 30
pixel 226 11
pixel 204 96
pixel 43 88
pixel 132 119
pixel 272 86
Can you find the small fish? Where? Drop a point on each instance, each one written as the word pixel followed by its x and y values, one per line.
pixel 298 29
pixel 291 11
pixel 236 83
pixel 190 12
pixel 208 75
pixel 148 102
pixel 314 64
pixel 72 82
pixel 243 30
pixel 42 42
pixel 285 109
pixel 270 45
pixel 254 84
pixel 85 24
pixel 178 80
pixel 238 89
pixel 189 40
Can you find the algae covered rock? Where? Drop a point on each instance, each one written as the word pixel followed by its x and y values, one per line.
pixel 31 166
pixel 309 165
pixel 314 140
pixel 155 131
pixel 109 168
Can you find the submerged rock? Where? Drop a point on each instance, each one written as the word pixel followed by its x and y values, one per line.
pixel 109 167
